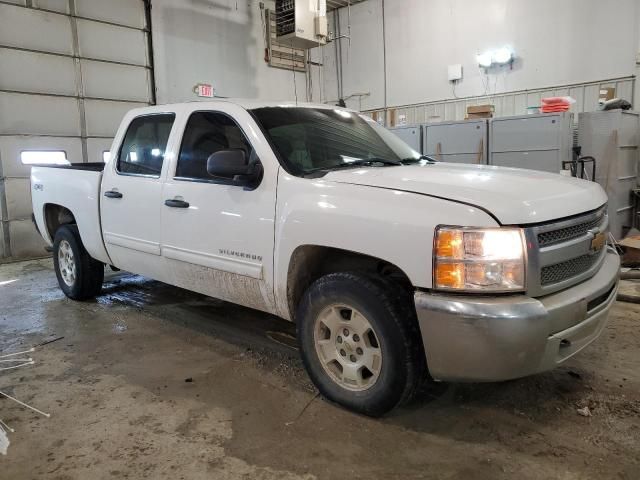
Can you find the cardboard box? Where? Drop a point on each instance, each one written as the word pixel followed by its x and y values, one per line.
pixel 631 244
pixel 606 93
pixel 471 116
pixel 475 109
pixel 392 117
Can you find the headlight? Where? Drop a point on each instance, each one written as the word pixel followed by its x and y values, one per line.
pixel 479 260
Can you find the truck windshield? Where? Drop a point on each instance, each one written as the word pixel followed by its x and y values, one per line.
pixel 313 139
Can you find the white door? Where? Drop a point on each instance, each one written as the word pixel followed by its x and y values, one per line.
pixel 132 196
pixel 217 238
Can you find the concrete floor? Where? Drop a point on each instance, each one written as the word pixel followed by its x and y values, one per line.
pixel 121 407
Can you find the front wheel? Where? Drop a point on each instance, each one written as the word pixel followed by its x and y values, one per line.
pixel 360 342
pixel 79 275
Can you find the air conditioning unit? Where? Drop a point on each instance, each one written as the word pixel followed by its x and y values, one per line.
pixel 301 23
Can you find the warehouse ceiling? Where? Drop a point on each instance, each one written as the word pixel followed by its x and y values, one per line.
pixel 335 4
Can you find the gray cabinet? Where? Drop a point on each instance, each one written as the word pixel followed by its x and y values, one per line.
pixel 458 142
pixel 537 142
pixel 412 136
pixel 612 138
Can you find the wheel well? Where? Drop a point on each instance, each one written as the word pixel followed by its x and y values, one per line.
pixel 55 216
pixel 310 262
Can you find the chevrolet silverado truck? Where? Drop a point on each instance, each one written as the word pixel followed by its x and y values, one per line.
pixel 396 269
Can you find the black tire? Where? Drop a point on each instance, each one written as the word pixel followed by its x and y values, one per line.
pixel 391 313
pixel 89 272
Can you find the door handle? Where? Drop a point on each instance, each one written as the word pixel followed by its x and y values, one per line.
pixel 176 203
pixel 112 194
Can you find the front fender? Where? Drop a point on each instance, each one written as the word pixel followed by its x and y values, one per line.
pixel 392 225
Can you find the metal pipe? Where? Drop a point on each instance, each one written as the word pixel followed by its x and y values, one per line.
pixel 622 297
pixel 630 275
pixel 338 51
pixel 349 25
pixel 384 63
pixel 152 76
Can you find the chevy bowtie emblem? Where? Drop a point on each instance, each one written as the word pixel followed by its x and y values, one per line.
pixel 598 241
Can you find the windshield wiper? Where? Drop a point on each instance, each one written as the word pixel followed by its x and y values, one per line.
pixel 410 160
pixel 365 162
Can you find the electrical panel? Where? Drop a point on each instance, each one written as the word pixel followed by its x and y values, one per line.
pixel 612 137
pixel 301 23
pixel 465 141
pixel 454 72
pixel 537 142
pixel 411 135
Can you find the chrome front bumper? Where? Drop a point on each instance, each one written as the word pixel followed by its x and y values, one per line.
pixel 482 339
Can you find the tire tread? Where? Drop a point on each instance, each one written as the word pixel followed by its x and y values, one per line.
pixel 398 305
pixel 91 272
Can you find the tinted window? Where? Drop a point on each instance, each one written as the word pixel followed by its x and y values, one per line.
pixel 143 147
pixel 309 139
pixel 207 133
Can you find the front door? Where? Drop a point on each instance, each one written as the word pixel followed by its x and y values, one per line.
pixel 217 238
pixel 131 196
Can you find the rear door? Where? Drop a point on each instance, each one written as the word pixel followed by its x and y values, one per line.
pixel 217 238
pixel 131 195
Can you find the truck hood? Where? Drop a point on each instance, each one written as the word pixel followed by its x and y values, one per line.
pixel 513 196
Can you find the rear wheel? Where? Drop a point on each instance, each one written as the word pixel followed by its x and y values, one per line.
pixel 360 342
pixel 79 275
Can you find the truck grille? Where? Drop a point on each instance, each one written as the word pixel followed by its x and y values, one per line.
pixel 565 270
pixel 568 233
pixel 561 253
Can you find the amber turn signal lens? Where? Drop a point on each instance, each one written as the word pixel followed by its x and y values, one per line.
pixel 449 244
pixel 450 275
pixel 479 259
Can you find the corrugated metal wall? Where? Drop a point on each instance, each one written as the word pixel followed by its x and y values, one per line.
pixel 513 103
pixel 69 70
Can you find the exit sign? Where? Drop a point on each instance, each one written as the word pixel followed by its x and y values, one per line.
pixel 203 90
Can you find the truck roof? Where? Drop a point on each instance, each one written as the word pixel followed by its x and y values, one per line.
pixel 244 103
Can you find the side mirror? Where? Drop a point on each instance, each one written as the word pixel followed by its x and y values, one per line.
pixel 228 164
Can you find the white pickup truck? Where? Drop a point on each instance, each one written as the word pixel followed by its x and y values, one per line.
pixel 395 268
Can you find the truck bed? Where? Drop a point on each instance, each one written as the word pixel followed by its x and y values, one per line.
pixel 75 187
pixel 92 166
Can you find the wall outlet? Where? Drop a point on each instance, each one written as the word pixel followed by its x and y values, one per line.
pixel 454 72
